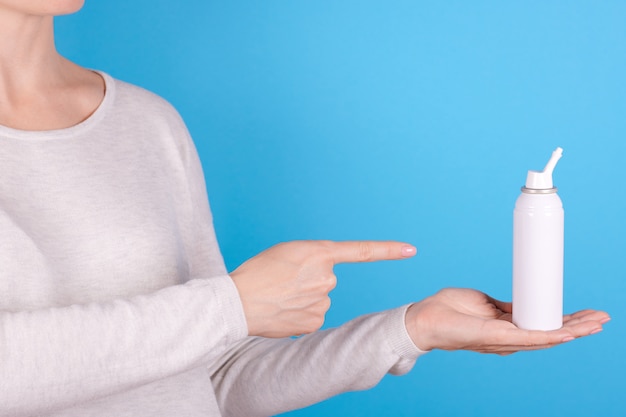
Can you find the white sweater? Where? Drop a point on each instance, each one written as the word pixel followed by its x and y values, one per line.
pixel 114 298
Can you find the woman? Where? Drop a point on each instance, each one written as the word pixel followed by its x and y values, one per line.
pixel 114 296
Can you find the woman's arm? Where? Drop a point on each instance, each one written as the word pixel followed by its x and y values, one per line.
pixel 264 377
pixel 58 357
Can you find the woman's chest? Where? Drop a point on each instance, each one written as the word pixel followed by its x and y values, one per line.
pixel 84 234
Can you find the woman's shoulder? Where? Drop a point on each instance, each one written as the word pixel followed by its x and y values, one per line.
pixel 132 97
pixel 144 113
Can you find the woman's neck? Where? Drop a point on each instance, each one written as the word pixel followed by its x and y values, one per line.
pixel 39 89
pixel 28 57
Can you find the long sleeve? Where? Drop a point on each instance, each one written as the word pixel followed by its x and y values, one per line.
pixel 112 286
pixel 261 377
pixel 59 357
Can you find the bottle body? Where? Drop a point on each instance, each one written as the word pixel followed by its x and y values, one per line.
pixel 538 226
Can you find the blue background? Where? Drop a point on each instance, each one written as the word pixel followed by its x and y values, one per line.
pixel 407 120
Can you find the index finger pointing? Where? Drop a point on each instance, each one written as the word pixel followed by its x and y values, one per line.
pixel 370 251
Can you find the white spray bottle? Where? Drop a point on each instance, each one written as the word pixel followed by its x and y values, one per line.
pixel 538 252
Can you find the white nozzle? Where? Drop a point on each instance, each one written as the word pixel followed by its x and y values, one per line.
pixel 542 180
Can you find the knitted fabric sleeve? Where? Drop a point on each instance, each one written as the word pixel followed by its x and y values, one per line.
pixel 263 377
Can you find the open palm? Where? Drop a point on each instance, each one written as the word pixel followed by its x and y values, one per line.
pixel 465 319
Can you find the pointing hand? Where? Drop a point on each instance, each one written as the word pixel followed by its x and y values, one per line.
pixel 284 290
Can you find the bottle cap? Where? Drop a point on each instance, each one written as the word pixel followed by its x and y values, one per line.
pixel 542 180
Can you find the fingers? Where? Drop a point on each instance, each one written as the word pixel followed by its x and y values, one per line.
pixel 587 315
pixel 580 324
pixel 585 323
pixel 370 251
